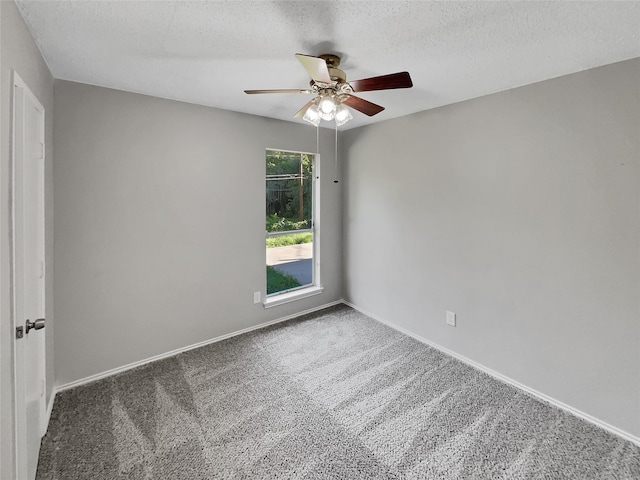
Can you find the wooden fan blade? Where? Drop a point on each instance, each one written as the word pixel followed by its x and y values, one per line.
pixel 284 90
pixel 300 113
pixel 316 67
pixel 363 105
pixel 383 82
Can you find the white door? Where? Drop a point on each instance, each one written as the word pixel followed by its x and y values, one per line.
pixel 28 277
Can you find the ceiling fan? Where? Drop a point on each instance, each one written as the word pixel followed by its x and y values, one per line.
pixel 333 93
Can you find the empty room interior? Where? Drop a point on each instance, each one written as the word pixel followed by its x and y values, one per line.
pixel 415 253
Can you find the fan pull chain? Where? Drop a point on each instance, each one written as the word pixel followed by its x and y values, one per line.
pixel 318 139
pixel 336 157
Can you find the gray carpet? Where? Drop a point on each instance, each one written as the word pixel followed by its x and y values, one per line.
pixel 330 395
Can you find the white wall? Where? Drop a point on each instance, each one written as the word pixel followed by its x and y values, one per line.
pixel 160 225
pixel 519 211
pixel 19 52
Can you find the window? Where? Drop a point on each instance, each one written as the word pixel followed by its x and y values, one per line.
pixel 291 227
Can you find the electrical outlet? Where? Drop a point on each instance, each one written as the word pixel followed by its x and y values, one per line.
pixel 451 319
pixel 256 297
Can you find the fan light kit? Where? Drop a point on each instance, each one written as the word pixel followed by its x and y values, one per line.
pixel 333 94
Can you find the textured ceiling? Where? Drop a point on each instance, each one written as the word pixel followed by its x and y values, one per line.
pixel 209 52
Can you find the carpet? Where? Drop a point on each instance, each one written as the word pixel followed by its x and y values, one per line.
pixel 333 394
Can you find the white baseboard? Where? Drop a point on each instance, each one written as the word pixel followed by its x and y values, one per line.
pixel 505 379
pixel 124 368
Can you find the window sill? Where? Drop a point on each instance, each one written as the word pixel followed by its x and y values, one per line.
pixel 283 298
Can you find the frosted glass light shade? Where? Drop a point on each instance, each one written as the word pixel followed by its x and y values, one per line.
pixel 327 116
pixel 327 105
pixel 312 115
pixel 343 115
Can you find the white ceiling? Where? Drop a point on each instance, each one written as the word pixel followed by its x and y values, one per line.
pixel 209 52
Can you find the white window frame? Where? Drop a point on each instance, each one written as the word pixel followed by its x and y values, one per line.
pixel 298 293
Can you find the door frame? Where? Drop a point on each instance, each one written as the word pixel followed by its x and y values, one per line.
pixel 19 410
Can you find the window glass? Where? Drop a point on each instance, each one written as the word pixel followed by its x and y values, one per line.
pixel 289 220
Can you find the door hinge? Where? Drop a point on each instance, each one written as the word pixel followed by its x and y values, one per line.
pixel 19 332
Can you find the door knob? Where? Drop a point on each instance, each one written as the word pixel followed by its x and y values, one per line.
pixel 36 325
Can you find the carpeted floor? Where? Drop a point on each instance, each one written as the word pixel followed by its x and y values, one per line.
pixel 330 395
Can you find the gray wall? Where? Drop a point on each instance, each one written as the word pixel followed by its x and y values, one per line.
pixel 19 52
pixel 150 254
pixel 520 212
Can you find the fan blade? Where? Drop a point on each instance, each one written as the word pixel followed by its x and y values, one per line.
pixel 285 90
pixel 300 113
pixel 316 67
pixel 383 82
pixel 363 105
